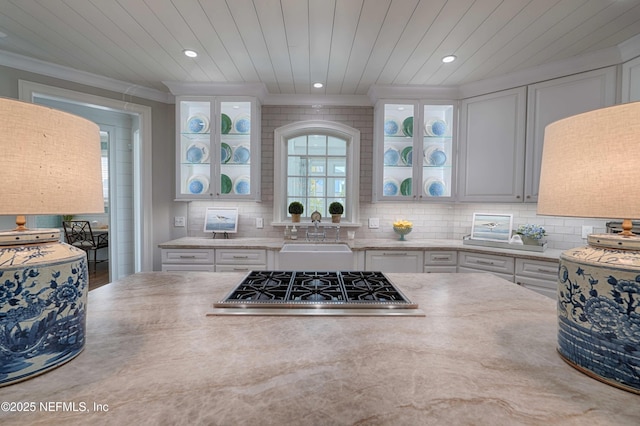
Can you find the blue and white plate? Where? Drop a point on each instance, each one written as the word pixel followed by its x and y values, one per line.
pixel 241 154
pixel 225 153
pixel 197 153
pixel 242 124
pixel 198 184
pixel 435 156
pixel 435 127
pixel 242 185
pixel 391 157
pixel 198 123
pixel 390 187
pixel 435 187
pixel 391 126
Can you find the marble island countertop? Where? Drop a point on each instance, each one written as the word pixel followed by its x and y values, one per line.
pixel 484 354
pixel 356 245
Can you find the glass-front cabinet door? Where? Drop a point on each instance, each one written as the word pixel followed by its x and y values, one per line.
pixel 414 152
pixel 218 150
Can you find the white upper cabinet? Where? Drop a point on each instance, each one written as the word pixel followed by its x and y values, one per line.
pixel 631 81
pixel 492 135
pixel 553 100
pixel 414 150
pixel 217 148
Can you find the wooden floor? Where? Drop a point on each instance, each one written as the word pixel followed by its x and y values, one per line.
pixel 98 276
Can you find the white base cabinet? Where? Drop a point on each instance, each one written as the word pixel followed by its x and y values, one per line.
pixel 537 275
pixel 394 260
pixel 440 261
pixel 501 266
pixel 240 260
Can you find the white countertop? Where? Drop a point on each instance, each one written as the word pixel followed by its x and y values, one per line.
pixel 484 354
pixel 356 245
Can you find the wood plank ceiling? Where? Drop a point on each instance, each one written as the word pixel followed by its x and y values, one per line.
pixel 289 44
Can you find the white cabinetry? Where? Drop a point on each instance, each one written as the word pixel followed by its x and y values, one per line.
pixel 631 81
pixel 440 261
pixel 502 266
pixel 238 260
pixel 553 100
pixel 187 260
pixel 492 137
pixel 537 275
pixel 414 150
pixel 217 148
pixel 394 260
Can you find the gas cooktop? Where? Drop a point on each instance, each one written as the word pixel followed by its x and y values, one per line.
pixel 340 293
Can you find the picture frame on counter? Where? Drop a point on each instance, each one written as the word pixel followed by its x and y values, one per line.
pixel 221 220
pixel 491 227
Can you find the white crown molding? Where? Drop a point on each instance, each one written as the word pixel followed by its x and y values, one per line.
pixel 24 63
pixel 190 88
pixel 587 62
pixel 377 92
pixel 324 100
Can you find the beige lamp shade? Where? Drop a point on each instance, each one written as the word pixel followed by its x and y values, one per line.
pixel 50 161
pixel 591 165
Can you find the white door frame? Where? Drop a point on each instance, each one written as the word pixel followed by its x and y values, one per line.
pixel 144 216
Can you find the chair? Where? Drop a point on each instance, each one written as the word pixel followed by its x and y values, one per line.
pixel 79 234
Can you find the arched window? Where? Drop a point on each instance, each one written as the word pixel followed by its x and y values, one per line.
pixel 316 163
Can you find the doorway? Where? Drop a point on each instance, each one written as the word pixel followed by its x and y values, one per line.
pixel 126 137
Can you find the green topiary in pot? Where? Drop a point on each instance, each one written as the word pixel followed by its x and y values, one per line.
pixel 295 210
pixel 336 209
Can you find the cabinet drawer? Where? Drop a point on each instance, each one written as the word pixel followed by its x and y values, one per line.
pixel 394 261
pixel 487 262
pixel 240 268
pixel 187 268
pixel 241 257
pixel 544 287
pixel 441 258
pixel 190 256
pixel 537 269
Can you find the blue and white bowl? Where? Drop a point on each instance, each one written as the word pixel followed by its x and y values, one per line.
pixel 435 127
pixel 197 153
pixel 391 126
pixel 241 154
pixel 242 124
pixel 197 123
pixel 242 185
pixel 198 184
pixel 434 187
pixel 390 187
pixel 391 157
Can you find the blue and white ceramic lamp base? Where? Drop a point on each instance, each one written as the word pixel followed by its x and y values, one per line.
pixel 599 314
pixel 43 302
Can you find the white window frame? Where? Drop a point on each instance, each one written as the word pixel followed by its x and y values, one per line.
pixel 328 128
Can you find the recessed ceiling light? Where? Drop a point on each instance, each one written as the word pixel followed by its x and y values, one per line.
pixel 190 53
pixel 448 58
pixel 318 85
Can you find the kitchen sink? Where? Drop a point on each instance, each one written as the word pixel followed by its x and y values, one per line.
pixel 321 256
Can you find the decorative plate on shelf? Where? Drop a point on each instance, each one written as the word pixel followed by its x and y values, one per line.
pixel 225 124
pixel 434 187
pixel 391 126
pixel 435 156
pixel 198 184
pixel 226 153
pixel 225 184
pixel 406 155
pixel 241 185
pixel 405 187
pixel 197 153
pixel 391 157
pixel 241 154
pixel 198 123
pixel 435 127
pixel 407 126
pixel 390 187
pixel 242 124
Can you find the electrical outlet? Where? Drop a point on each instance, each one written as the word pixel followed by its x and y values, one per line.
pixel 259 223
pixel 179 221
pixel 586 230
pixel 374 223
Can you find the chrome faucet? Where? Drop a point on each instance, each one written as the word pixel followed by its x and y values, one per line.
pixel 316 234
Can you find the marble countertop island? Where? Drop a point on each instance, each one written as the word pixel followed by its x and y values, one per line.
pixel 484 354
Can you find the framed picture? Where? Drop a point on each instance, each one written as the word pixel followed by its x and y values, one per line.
pixel 221 220
pixel 491 227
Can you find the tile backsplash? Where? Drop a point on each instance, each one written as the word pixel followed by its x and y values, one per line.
pixel 431 220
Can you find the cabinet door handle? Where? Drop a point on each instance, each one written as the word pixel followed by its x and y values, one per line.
pixel 239 269
pixel 549 271
pixel 183 256
pixel 394 254
pixel 484 262
pixel 440 258
pixel 240 257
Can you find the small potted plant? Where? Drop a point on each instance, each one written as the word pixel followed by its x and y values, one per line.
pixel 336 209
pixel 532 234
pixel 295 210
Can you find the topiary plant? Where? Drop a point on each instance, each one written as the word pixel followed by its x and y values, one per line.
pixel 296 207
pixel 336 208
